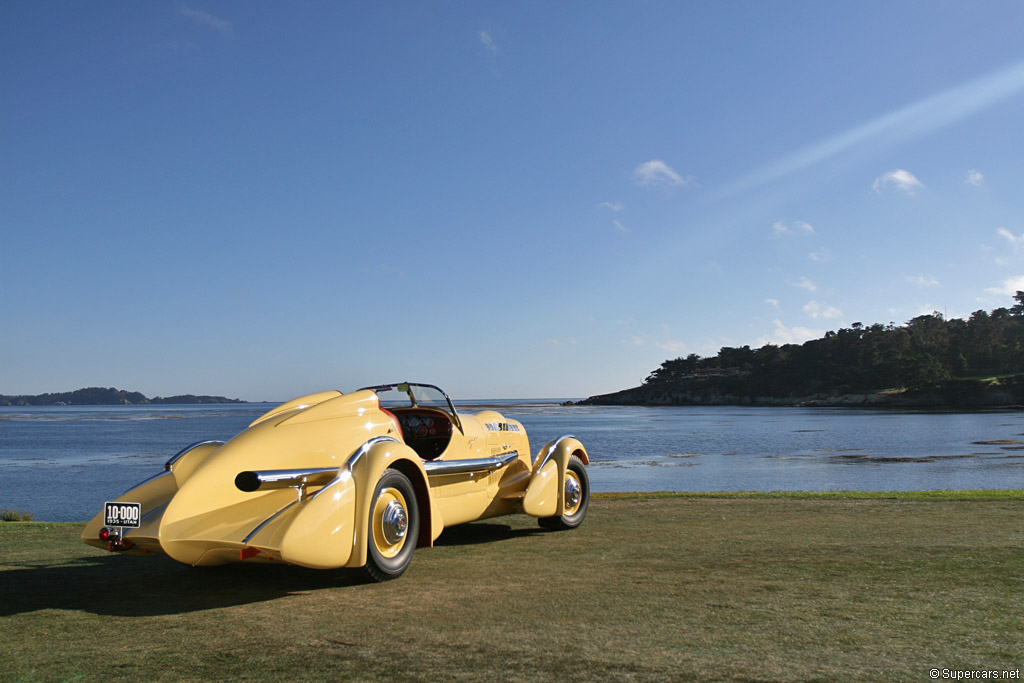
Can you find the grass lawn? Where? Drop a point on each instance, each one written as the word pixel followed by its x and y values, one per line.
pixel 794 587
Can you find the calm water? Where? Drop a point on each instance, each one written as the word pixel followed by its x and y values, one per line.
pixel 62 463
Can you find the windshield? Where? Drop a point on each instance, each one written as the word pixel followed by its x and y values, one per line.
pixel 408 395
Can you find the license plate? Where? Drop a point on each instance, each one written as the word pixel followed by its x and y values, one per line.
pixel 123 514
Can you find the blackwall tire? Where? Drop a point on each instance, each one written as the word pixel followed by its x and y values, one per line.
pixel 577 499
pixel 393 527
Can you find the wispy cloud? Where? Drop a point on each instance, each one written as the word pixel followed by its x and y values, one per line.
pixel 781 229
pixel 621 228
pixel 614 207
pixel 663 341
pixel 1016 241
pixel 488 42
pixel 899 179
pixel 788 335
pixel 975 178
pixel 804 283
pixel 817 310
pixel 913 121
pixel 672 346
pixel 206 19
pixel 774 303
pixel 1009 286
pixel 922 281
pixel 823 255
pixel 657 172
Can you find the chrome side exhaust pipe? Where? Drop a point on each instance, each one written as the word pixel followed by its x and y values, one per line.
pixel 265 480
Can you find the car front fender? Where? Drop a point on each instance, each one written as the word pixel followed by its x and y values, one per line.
pixel 545 494
pixel 321 534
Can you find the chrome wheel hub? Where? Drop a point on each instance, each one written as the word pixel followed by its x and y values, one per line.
pixel 394 522
pixel 573 492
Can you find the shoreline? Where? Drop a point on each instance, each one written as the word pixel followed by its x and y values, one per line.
pixel 691 394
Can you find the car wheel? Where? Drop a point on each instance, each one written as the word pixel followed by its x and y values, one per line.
pixel 577 498
pixel 394 526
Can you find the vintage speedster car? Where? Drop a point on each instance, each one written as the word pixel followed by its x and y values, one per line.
pixel 335 480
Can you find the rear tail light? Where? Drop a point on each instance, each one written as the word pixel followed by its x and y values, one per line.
pixel 115 541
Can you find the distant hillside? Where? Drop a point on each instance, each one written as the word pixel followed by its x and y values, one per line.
pixel 928 362
pixel 97 396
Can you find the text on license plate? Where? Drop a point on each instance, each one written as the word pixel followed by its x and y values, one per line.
pixel 122 514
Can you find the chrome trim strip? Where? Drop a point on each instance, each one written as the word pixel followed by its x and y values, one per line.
pixel 551 450
pixel 437 467
pixel 346 470
pixel 186 449
pixel 267 521
pixel 329 484
pixel 354 458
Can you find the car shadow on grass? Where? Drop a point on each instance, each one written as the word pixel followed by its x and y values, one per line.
pixel 479 533
pixel 149 586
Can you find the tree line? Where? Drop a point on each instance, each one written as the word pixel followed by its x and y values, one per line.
pixel 99 396
pixel 928 352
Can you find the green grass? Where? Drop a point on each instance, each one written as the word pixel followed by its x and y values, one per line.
pixel 750 587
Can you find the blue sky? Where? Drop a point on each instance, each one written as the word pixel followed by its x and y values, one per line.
pixel 517 199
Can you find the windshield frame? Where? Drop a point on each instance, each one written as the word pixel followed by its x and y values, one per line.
pixel 416 399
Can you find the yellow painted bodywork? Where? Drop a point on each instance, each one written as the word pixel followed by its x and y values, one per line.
pixel 196 514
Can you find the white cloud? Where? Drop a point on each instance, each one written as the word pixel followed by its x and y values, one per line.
pixel 621 228
pixel 1009 286
pixel 922 281
pixel 657 172
pixel 899 179
pixel 910 122
pixel 206 19
pixel 614 207
pixel 780 229
pixel 821 256
pixel 569 341
pixel 663 341
pixel 816 310
pixel 788 335
pixel 975 178
pixel 1017 242
pixel 672 346
pixel 774 303
pixel 487 41
pixel 804 283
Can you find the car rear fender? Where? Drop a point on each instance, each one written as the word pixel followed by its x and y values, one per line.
pixel 189 459
pixel 545 494
pixel 367 465
pixel 153 494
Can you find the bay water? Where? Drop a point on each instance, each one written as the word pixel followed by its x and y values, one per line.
pixel 62 463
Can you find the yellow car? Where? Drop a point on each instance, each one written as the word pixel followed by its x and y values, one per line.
pixel 335 480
